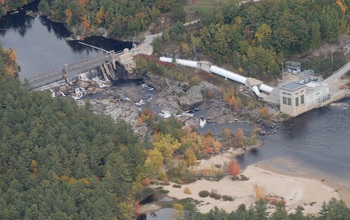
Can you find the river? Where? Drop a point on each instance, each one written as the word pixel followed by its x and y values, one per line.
pixel 318 140
pixel 41 44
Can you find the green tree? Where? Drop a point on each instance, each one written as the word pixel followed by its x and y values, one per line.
pixel 261 210
pixel 178 13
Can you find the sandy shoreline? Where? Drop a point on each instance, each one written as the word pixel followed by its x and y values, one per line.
pixel 277 177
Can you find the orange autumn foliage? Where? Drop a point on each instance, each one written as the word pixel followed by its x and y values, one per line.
pixel 233 168
pixel 146 181
pixel 85 23
pixel 341 5
pixel 259 192
pixel 84 2
pixel 187 191
pixel 12 54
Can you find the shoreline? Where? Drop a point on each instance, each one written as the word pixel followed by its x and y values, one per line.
pixel 273 177
pixel 289 167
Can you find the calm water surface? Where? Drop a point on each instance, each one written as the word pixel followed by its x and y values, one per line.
pixel 41 44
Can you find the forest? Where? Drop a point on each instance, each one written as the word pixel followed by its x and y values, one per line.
pixel 256 38
pixel 60 161
pixel 11 5
pixel 331 210
pixel 121 18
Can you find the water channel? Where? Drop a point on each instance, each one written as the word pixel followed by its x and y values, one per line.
pixel 319 140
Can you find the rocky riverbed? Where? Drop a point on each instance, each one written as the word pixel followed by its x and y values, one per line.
pixel 126 100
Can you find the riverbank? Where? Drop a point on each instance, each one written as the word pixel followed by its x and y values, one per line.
pixel 309 193
pixel 286 166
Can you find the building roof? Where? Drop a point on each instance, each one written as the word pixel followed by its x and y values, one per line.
pixel 292 86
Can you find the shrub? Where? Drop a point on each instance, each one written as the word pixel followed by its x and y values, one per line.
pixel 234 178
pixel 260 192
pixel 187 190
pixel 264 113
pixel 203 193
pixel 176 186
pixel 147 181
pixel 215 195
pixel 196 80
pixel 164 183
pixel 161 176
pixel 163 191
pixel 227 198
pixel 244 178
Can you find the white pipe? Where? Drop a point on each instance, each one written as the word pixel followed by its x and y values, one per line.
pixel 166 59
pixel 222 72
pixel 187 63
pixel 180 61
pixel 265 88
pixel 228 74
pixel 256 90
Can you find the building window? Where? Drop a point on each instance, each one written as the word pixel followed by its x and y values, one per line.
pixel 302 99
pixel 296 101
pixel 284 100
pixel 289 101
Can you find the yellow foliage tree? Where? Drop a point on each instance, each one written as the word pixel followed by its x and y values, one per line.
pixel 263 31
pixel 239 137
pixel 260 192
pixel 68 14
pixel 100 15
pixel 166 144
pixel 153 161
pixel 34 167
pixel 179 210
pixel 185 48
pixel 190 156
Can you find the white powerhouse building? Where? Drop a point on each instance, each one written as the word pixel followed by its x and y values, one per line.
pixel 297 98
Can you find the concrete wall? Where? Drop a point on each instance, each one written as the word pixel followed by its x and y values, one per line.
pixel 291 102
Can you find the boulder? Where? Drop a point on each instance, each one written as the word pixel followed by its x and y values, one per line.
pixel 194 94
pixel 92 90
pixel 82 84
pixel 63 88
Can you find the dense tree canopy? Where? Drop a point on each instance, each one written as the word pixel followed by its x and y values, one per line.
pixel 334 209
pixel 10 5
pixel 60 161
pixel 256 37
pixel 120 18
